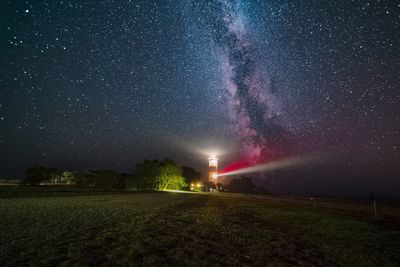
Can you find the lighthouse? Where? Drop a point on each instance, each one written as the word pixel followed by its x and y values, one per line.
pixel 213 169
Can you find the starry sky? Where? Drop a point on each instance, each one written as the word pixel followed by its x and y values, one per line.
pixel 106 84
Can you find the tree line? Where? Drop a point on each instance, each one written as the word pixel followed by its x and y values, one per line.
pixel 149 174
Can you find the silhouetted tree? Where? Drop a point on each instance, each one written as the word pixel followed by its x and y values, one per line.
pixel 190 175
pixel 145 173
pixel 36 174
pixel 241 185
pixel 85 178
pixel 109 179
pixel 261 190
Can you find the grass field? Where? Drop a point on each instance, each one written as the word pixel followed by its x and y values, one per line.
pixel 77 227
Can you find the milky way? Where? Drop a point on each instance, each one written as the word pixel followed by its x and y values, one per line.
pixel 253 107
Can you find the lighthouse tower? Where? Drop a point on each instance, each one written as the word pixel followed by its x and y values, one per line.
pixel 213 169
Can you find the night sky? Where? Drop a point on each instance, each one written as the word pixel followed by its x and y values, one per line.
pixel 107 84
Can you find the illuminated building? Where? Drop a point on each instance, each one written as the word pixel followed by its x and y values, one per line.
pixel 213 169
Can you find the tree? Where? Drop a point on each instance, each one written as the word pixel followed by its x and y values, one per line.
pixel 65 177
pixel 159 175
pixel 55 178
pixel 85 178
pixel 170 176
pixel 109 178
pixel 36 174
pixel 190 175
pixel 68 177
pixel 144 175
pixel 241 185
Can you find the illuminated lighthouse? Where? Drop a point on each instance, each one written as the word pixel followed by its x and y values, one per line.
pixel 213 169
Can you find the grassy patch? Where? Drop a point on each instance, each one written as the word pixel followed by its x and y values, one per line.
pixel 185 229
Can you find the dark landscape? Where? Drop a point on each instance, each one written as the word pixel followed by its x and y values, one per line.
pixel 65 226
